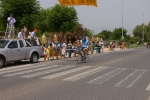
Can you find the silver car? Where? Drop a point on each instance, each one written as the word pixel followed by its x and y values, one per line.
pixel 15 50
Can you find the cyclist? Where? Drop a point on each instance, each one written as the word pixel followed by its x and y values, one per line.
pixel 85 44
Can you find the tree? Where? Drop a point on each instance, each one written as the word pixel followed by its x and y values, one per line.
pixel 117 34
pixel 105 34
pixel 88 32
pixel 25 12
pixel 138 31
pixel 62 19
pixel 41 20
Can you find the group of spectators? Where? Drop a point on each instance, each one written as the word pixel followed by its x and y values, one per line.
pixel 70 49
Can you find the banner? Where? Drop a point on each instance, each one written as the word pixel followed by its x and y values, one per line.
pixel 78 2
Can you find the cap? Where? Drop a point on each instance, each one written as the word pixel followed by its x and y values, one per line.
pixel 35 30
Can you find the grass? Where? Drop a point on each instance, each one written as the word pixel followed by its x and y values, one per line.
pixel 135 45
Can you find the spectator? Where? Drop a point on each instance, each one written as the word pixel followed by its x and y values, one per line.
pixel 11 22
pixel 69 49
pixel 45 52
pixel 102 45
pixel 97 47
pixel 92 47
pixel 113 46
pixel 21 34
pixel 121 46
pixel 64 47
pixel 33 36
pixel 74 48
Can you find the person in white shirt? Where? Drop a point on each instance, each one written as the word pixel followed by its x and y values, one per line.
pixel 21 34
pixel 102 45
pixel 33 36
pixel 64 47
pixel 11 21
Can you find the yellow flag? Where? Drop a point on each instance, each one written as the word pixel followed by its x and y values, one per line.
pixel 78 2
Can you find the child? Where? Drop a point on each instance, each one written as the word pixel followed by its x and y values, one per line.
pixel 52 52
pixel 45 52
pixel 48 52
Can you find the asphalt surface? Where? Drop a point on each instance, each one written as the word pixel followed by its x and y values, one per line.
pixel 121 75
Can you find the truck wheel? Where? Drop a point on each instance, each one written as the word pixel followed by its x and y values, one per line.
pixel 2 62
pixel 34 58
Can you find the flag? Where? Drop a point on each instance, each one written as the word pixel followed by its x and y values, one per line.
pixel 78 2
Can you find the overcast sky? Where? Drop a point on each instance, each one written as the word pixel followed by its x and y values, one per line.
pixel 108 14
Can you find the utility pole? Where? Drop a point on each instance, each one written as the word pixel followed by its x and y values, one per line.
pixel 143 29
pixel 122 21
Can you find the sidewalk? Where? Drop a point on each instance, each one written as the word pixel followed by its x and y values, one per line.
pixel 106 50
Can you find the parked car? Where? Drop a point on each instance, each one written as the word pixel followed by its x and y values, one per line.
pixel 15 50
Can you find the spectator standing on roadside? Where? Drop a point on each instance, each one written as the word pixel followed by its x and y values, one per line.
pixel 137 43
pixel 64 47
pixel 128 44
pixel 110 45
pixel 92 47
pixel 97 47
pixel 45 52
pixel 102 45
pixel 52 48
pixel 121 46
pixel 74 48
pixel 113 46
pixel 69 49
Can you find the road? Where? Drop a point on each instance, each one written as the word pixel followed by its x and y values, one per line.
pixel 121 75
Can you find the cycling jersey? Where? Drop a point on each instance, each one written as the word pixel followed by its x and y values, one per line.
pixel 85 43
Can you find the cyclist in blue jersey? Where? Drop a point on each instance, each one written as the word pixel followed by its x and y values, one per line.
pixel 85 44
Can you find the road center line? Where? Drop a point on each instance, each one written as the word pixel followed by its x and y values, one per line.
pixel 114 61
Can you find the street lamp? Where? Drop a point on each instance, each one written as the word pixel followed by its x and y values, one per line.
pixel 143 29
pixel 122 21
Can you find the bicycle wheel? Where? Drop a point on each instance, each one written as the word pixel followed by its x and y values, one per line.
pixel 86 59
pixel 79 59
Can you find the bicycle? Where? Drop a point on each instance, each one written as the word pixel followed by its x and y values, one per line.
pixel 81 57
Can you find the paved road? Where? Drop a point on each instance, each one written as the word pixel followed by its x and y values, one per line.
pixel 121 75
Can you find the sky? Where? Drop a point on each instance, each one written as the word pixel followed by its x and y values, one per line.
pixel 108 14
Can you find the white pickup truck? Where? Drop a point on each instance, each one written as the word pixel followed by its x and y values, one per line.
pixel 15 50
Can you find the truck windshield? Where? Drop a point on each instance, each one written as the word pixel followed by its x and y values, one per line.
pixel 3 43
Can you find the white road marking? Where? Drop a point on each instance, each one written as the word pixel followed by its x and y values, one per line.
pixel 107 76
pixel 65 72
pixel 131 79
pixel 85 74
pixel 114 61
pixel 47 71
pixel 32 70
pixel 149 98
pixel 16 67
pixel 148 88
pixel 145 51
pixel 30 67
